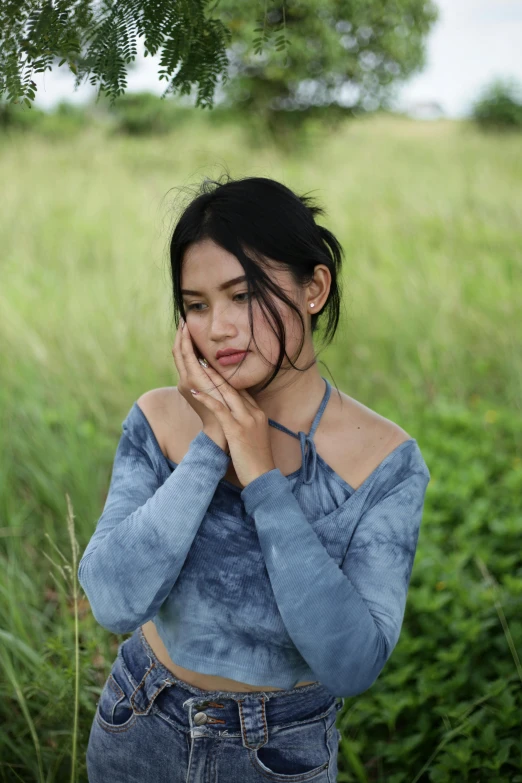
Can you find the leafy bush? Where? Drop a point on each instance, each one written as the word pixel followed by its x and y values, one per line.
pixel 499 107
pixel 447 707
pixel 65 121
pixel 143 113
pixel 14 117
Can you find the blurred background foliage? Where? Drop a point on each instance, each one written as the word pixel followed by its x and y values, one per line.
pixel 428 214
pixel 293 54
pixel 356 48
pixel 499 106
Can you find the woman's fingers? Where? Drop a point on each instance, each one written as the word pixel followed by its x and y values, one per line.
pixel 194 369
pixel 239 401
pixel 191 372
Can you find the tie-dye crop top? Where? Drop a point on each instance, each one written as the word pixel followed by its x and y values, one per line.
pixel 288 579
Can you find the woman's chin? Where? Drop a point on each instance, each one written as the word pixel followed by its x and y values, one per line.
pixel 241 380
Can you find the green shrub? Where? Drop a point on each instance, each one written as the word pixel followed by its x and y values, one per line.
pixel 499 107
pixel 64 121
pixel 143 113
pixel 15 117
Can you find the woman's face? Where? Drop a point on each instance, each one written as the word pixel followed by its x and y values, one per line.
pixel 218 319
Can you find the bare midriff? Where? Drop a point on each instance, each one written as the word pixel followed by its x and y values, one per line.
pixel 207 682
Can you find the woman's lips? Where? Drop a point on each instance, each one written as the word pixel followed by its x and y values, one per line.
pixel 232 358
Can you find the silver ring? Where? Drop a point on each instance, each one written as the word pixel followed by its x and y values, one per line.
pixel 203 362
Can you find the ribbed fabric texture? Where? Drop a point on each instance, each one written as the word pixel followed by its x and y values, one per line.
pixel 288 579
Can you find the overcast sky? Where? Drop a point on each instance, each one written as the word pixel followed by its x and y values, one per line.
pixel 473 42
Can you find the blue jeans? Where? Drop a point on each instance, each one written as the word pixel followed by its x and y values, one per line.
pixel 151 727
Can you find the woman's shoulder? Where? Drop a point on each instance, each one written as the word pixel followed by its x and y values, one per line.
pixel 170 417
pixel 358 439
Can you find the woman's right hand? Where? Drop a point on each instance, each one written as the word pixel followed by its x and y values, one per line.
pixel 192 375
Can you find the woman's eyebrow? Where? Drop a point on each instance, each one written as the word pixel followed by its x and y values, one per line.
pixel 221 287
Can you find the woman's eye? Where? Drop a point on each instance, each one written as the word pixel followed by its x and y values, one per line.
pixel 196 304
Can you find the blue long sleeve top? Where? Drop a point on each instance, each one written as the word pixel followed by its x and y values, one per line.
pixel 290 578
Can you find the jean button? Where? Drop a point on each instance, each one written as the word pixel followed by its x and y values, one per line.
pixel 200 718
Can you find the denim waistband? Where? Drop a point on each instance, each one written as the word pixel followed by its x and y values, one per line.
pixel 214 711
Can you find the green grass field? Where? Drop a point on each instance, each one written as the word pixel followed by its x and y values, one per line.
pixel 429 216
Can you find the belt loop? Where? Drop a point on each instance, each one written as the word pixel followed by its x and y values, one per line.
pixel 252 716
pixel 151 685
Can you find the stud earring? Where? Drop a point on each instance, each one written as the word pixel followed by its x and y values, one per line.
pixel 312 304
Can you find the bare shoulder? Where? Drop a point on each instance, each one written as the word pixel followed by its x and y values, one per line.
pixel 170 416
pixel 360 439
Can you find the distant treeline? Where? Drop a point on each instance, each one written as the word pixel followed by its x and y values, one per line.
pixel 498 107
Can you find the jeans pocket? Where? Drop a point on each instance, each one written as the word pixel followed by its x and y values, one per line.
pixel 296 753
pixel 114 711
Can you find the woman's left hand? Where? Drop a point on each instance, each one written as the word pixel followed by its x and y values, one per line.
pixel 245 426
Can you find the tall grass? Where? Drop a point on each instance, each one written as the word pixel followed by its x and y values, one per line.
pixel 429 217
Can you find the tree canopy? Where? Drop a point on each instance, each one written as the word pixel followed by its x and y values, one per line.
pixel 291 53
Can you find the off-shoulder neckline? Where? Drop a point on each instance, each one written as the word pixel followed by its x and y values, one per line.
pixel 331 472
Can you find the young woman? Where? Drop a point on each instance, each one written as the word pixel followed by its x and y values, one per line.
pixel 261 582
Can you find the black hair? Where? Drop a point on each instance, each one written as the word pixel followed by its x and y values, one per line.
pixel 264 224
